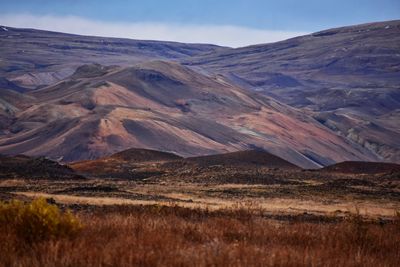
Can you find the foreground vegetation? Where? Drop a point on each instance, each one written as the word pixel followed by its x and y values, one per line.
pixel 174 236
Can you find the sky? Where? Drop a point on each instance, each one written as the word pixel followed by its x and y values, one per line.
pixel 224 22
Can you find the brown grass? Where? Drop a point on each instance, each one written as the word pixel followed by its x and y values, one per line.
pixel 173 236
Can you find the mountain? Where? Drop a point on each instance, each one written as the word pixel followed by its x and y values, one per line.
pixel 347 78
pixel 11 102
pixel 160 105
pixel 32 58
pixel 313 100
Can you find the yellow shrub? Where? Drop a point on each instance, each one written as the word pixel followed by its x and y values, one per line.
pixel 37 220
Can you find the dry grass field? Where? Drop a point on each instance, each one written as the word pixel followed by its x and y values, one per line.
pixel 214 188
pixel 173 236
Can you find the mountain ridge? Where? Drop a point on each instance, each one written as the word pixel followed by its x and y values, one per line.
pixel 165 106
pixel 35 58
pixel 347 78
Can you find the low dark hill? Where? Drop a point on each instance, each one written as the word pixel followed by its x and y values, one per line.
pixel 133 163
pixel 248 158
pixel 144 163
pixel 34 168
pixel 360 167
pixel 144 155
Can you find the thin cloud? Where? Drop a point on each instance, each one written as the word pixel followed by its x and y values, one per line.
pixel 225 35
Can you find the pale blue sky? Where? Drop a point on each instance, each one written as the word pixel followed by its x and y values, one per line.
pixel 262 18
